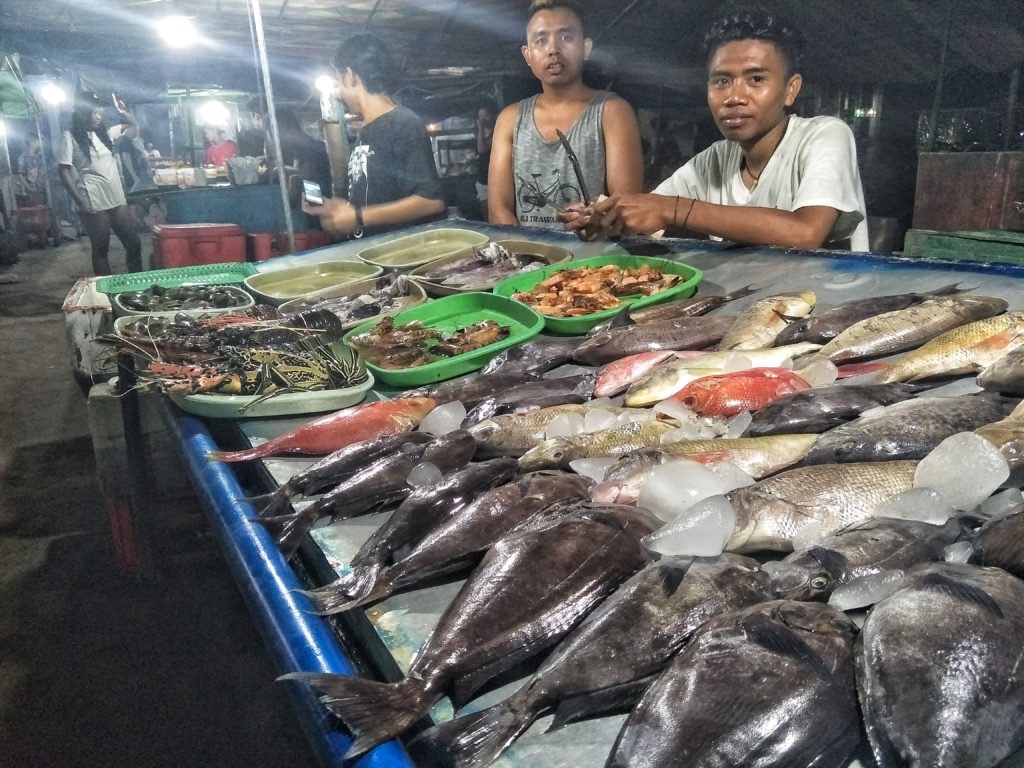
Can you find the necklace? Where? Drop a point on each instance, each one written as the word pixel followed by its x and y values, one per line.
pixel 746 167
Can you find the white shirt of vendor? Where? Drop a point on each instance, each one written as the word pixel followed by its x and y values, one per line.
pixel 96 176
pixel 816 164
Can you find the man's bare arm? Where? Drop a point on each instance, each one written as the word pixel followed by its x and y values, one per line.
pixel 501 189
pixel 624 160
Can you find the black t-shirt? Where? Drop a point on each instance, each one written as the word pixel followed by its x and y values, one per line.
pixel 392 160
pixel 310 156
pixel 252 142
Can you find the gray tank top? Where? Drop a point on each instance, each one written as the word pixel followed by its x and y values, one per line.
pixel 544 165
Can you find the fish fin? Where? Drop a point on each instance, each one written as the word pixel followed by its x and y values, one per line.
pixel 859 369
pixel 833 562
pixel 230 456
pixel 289 530
pixel 613 700
pixel 962 591
pixel 708 457
pixel 374 712
pixel 471 741
pixel 739 293
pixel 621 319
pixel 672 573
pixel 1004 341
pixel 780 639
pixel 357 587
pixel 949 290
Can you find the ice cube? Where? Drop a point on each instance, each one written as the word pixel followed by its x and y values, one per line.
pixel 677 485
pixel 737 362
pixel 732 476
pixel 960 552
pixel 807 535
pixel 597 419
pixel 444 419
pixel 424 473
pixel 925 505
pixel 738 424
pixel 703 530
pixel 635 414
pixel 674 409
pixel 965 468
pixel 564 425
pixel 866 590
pixel 601 402
pixel 820 373
pixel 595 469
pixel 1001 503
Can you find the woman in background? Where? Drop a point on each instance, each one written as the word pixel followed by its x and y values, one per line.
pixel 88 171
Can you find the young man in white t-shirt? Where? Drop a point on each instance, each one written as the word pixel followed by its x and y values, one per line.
pixel 776 179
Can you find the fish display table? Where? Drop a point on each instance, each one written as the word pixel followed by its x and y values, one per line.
pixel 381 640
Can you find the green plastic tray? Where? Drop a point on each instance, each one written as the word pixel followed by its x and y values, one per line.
pixel 574 326
pixel 449 314
pixel 227 273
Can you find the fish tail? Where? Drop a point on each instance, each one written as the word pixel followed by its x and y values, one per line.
pixel 357 587
pixel 739 293
pixel 290 529
pixel 471 741
pixel 949 290
pixel 374 712
pixel 609 701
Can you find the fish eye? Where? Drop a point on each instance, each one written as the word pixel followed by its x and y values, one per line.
pixel 819 582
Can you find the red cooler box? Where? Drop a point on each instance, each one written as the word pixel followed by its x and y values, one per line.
pixel 188 245
pixel 266 245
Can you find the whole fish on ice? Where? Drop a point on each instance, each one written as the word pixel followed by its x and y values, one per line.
pixel 608 661
pixel 530 590
pixel 684 333
pixel 533 357
pixel 728 394
pixel 938 670
pixel 558 452
pixel 334 431
pixel 1000 543
pixel 759 324
pixel 502 402
pixel 767 685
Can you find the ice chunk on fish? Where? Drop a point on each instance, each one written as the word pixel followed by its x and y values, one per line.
pixel 925 505
pixel 444 418
pixel 867 590
pixel 702 530
pixel 965 468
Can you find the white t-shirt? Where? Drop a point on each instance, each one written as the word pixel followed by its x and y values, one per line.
pixel 96 176
pixel 816 164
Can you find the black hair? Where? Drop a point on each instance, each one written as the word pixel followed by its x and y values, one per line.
pixel 546 5
pixel 367 56
pixel 81 124
pixel 489 104
pixel 757 24
pixel 255 106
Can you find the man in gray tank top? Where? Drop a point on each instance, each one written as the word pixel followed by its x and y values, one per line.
pixel 531 177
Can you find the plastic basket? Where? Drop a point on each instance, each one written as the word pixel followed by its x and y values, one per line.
pixel 228 273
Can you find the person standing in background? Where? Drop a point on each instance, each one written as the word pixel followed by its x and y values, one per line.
pixel 252 142
pixel 88 171
pixel 219 149
pixel 529 167
pixel 391 176
pixel 486 115
pixel 32 182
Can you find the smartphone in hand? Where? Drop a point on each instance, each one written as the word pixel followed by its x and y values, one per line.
pixel 312 193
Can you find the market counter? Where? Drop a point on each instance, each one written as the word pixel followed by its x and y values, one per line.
pixel 253 207
pixel 300 641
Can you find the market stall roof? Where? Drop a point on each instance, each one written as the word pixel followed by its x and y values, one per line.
pixel 654 41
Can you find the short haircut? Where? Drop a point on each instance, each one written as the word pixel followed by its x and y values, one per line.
pixel 367 56
pixel 757 24
pixel 547 5
pixel 255 105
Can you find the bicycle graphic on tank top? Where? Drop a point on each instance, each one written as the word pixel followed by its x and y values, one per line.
pixel 557 195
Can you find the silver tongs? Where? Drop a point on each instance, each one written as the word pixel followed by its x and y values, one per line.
pixel 575 165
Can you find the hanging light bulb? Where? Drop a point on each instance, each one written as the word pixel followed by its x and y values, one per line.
pixel 178 31
pixel 52 94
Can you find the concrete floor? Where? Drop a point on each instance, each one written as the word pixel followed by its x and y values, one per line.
pixel 98 668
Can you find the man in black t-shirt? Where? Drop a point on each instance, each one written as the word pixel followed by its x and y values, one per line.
pixel 391 176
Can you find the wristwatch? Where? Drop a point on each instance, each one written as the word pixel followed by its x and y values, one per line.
pixel 358 231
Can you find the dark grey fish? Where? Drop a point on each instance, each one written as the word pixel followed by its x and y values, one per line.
pixel 336 468
pixel 385 563
pixel 538 403
pixel 818 410
pixel 768 685
pixel 1000 543
pixel 684 333
pixel 673 310
pixel 907 430
pixel 528 592
pixel 471 391
pixel 862 549
pixel 505 401
pixel 533 357
pixel 822 327
pixel 375 486
pixel 938 669
pixel 608 661
pixel 1006 374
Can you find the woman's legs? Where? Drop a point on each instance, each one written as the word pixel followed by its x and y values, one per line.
pixel 123 224
pixel 97 226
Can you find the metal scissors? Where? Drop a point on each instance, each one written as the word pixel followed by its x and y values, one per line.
pixel 575 165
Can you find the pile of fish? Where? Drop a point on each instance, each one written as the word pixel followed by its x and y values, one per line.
pixel 761 563
pixel 486 267
pixel 389 296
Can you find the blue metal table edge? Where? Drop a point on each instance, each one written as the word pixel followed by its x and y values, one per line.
pixel 297 639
